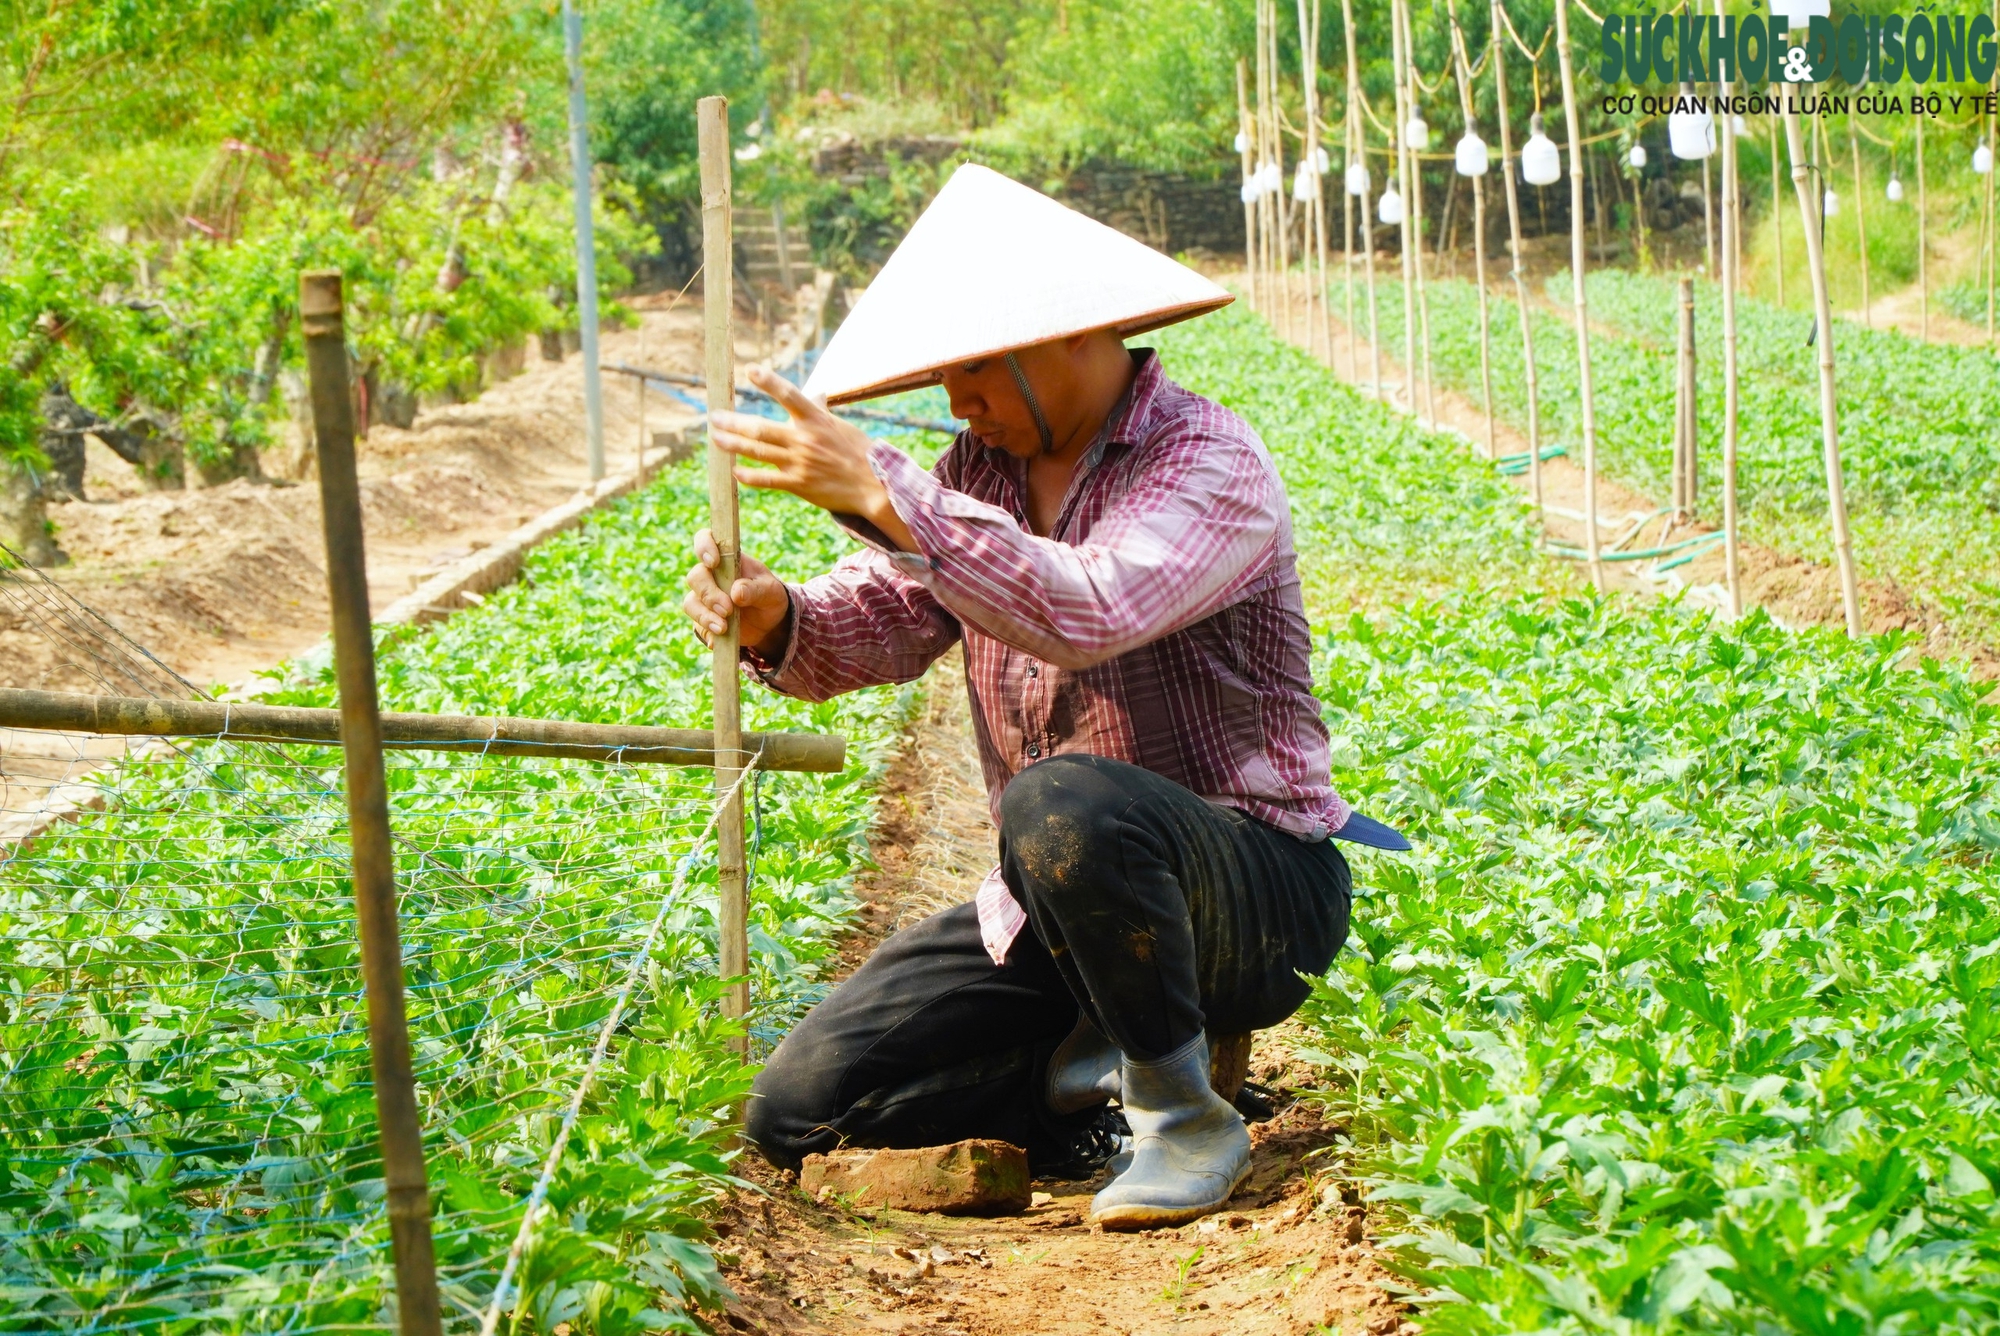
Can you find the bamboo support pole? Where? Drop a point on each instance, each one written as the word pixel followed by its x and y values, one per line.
pixel 1508 171
pixel 1992 213
pixel 1413 193
pixel 1687 475
pixel 1732 260
pixel 1281 206
pixel 1464 70
pixel 718 284
pixel 1402 155
pixel 1923 240
pixel 1318 293
pixel 1247 131
pixel 232 721
pixel 399 1121
pixel 1572 119
pixel 1829 406
pixel 1861 226
pixel 1358 152
pixel 1778 198
pixel 586 241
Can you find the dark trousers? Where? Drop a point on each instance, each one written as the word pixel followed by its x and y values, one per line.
pixel 1156 912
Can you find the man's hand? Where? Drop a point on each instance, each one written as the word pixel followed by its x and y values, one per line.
pixel 757 595
pixel 816 457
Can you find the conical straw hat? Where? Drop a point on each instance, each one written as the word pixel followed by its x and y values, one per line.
pixel 992 266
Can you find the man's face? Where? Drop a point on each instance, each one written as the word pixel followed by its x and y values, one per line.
pixel 984 394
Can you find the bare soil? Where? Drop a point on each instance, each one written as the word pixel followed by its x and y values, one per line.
pixel 1294 1253
pixel 219 582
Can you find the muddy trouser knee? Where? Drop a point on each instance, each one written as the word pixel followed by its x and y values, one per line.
pixel 1167 914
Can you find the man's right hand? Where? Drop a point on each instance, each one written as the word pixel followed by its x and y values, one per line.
pixel 757 596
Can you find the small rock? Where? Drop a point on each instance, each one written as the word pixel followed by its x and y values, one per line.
pixel 1041 1199
pixel 965 1178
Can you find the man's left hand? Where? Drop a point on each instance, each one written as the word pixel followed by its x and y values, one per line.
pixel 815 456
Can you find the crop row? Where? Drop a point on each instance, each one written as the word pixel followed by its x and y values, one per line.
pixel 188 1118
pixel 1683 1014
pixel 1919 455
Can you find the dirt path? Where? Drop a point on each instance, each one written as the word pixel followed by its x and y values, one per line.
pixel 1794 590
pixel 222 581
pixel 1291 1255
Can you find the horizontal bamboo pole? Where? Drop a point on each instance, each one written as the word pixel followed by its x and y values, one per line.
pixel 71 713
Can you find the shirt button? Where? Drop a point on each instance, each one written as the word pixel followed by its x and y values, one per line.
pixel 1034 670
pixel 1034 749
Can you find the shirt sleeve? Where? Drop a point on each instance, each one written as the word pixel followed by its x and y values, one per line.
pixel 1190 538
pixel 861 624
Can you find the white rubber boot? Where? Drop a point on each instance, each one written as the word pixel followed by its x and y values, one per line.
pixel 1190 1148
pixel 1083 1071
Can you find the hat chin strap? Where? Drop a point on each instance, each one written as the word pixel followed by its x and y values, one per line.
pixel 1034 405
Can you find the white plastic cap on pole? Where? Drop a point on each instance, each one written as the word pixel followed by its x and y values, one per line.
pixel 1691 135
pixel 1417 134
pixel 1324 163
pixel 1305 184
pixel 990 266
pixel 1250 194
pixel 1982 159
pixel 1637 157
pixel 1471 157
pixel 1390 207
pixel 1357 180
pixel 1242 142
pixel 1895 191
pixel 1269 179
pixel 1830 205
pixel 1541 165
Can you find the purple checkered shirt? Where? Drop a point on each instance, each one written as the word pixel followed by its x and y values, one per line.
pixel 1160 623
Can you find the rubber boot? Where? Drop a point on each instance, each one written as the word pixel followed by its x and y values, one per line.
pixel 1190 1148
pixel 1083 1071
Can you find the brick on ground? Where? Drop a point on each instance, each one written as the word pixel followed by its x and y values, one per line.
pixel 965 1178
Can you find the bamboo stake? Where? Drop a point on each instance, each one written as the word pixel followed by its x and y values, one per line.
pixel 1247 130
pixel 586 242
pixel 1707 224
pixel 1478 231
pixel 1732 259
pixel 1281 198
pixel 1308 163
pixel 1777 201
pixel 1413 191
pixel 1320 219
pixel 1829 407
pixel 1923 241
pixel 1861 226
pixel 1399 56
pixel 1992 217
pixel 1687 485
pixel 1358 151
pixel 1507 170
pixel 399 1123
pixel 1573 121
pixel 718 296
pixel 1347 207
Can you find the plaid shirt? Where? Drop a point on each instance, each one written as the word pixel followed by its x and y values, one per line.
pixel 1160 623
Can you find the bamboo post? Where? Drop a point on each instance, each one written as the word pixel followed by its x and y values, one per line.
pixel 1778 198
pixel 1687 485
pixel 1573 121
pixel 399 1123
pixel 1861 226
pixel 1829 407
pixel 1357 151
pixel 1707 221
pixel 1413 193
pixel 1281 208
pixel 1464 70
pixel 1507 170
pixel 718 283
pixel 1992 216
pixel 586 241
pixel 1347 215
pixel 1246 131
pixel 1402 151
pixel 1732 261
pixel 1923 240
pixel 1319 211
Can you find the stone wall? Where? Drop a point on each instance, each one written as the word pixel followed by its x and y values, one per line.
pixel 1170 211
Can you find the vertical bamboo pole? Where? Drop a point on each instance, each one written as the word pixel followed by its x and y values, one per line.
pixel 1399 56
pixel 1778 198
pixel 1732 260
pixel 1309 163
pixel 1347 160
pixel 1248 131
pixel 1923 240
pixel 1281 208
pixel 586 242
pixel 1707 223
pixel 1861 225
pixel 1413 194
pixel 399 1123
pixel 1320 220
pixel 1829 407
pixel 719 364
pixel 1508 170
pixel 1992 216
pixel 639 461
pixel 1464 72
pixel 1358 152
pixel 1688 487
pixel 1573 120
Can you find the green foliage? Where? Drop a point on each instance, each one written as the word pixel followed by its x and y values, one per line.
pixel 187 1132
pixel 1680 1017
